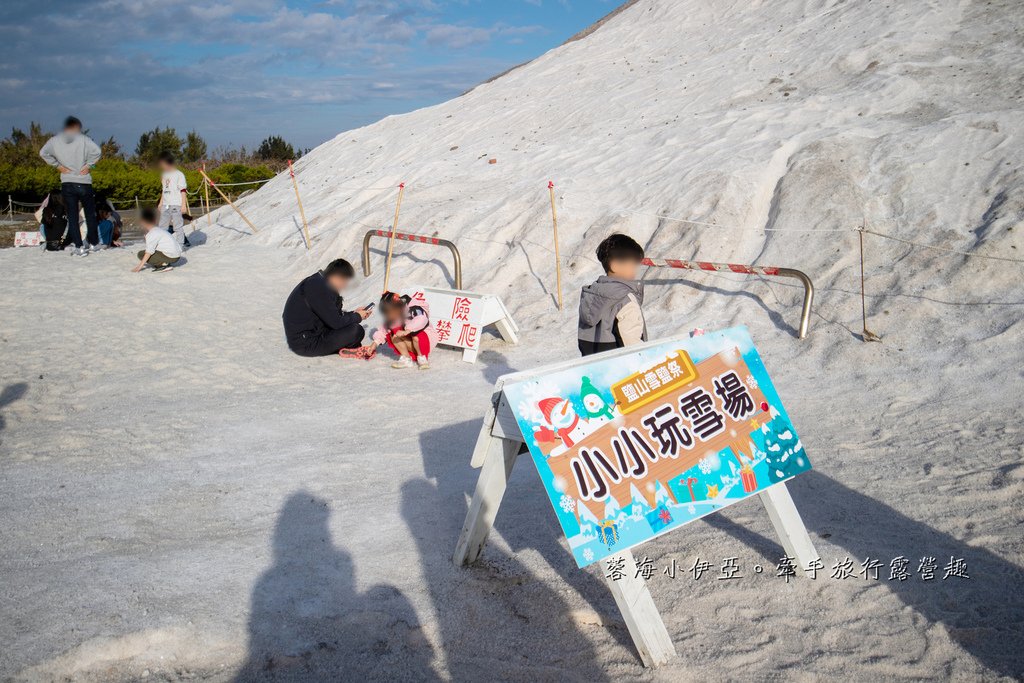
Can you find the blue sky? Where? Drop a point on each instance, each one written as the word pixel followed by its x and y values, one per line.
pixel 239 70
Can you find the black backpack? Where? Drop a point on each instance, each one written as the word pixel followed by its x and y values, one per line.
pixel 55 223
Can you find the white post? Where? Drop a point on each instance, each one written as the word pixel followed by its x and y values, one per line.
pixel 642 618
pixel 506 331
pixel 490 489
pixel 10 208
pixel 138 209
pixel 788 525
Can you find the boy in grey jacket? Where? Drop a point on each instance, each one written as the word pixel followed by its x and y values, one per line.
pixel 611 313
pixel 74 155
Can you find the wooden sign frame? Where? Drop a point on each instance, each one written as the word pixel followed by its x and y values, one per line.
pixel 499 445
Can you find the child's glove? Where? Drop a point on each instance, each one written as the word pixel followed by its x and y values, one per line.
pixel 380 336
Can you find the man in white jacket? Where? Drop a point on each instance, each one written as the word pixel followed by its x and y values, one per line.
pixel 74 155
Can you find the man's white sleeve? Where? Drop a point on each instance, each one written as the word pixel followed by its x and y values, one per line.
pixel 92 152
pixel 47 154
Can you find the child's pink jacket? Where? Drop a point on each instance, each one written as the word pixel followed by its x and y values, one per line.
pixel 417 319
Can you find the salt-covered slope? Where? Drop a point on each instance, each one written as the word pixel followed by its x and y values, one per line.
pixel 754 116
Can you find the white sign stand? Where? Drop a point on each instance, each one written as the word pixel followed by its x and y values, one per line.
pixel 464 315
pixel 497 449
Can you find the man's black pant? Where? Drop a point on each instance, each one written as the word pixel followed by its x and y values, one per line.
pixel 73 193
pixel 330 342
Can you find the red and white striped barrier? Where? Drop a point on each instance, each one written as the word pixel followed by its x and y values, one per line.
pixel 419 239
pixel 408 237
pixel 704 265
pixel 768 271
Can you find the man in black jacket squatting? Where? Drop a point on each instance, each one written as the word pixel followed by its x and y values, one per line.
pixel 315 323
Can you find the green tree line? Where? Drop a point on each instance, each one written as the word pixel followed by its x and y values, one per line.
pixel 27 178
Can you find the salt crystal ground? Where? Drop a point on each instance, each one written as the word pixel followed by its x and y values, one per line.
pixel 182 498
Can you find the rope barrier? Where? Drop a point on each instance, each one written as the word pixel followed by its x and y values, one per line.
pixel 816 230
pixel 250 182
pixel 591 208
pixel 706 224
pixel 946 250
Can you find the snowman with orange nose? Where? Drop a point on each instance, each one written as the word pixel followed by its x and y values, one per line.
pixel 563 424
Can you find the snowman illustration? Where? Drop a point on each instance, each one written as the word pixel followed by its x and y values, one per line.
pixel 563 424
pixel 595 407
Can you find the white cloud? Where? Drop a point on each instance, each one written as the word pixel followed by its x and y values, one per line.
pixel 234 65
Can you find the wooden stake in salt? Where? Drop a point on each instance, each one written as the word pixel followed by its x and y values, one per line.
pixel 230 203
pixel 391 241
pixel 302 212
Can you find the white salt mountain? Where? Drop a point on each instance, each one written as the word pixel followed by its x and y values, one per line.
pixel 755 117
pixel 229 507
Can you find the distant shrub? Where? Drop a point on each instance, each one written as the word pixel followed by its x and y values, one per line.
pixel 27 183
pixel 26 178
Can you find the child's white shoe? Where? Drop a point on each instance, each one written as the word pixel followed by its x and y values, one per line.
pixel 403 363
pixel 423 362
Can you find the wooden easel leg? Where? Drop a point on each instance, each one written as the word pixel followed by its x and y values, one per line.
pixel 639 612
pixel 507 332
pixel 788 525
pixel 490 489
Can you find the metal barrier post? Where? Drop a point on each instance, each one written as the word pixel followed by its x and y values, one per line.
pixel 768 271
pixel 421 239
pixel 805 314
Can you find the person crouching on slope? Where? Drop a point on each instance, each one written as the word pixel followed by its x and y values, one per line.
pixel 406 330
pixel 611 313
pixel 315 323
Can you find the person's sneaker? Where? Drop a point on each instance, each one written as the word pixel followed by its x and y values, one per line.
pixel 79 251
pixel 162 269
pixel 423 362
pixel 403 363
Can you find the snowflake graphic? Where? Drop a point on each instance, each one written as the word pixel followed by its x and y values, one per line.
pixel 705 465
pixel 567 504
pixel 529 408
pixel 751 382
pixel 588 555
